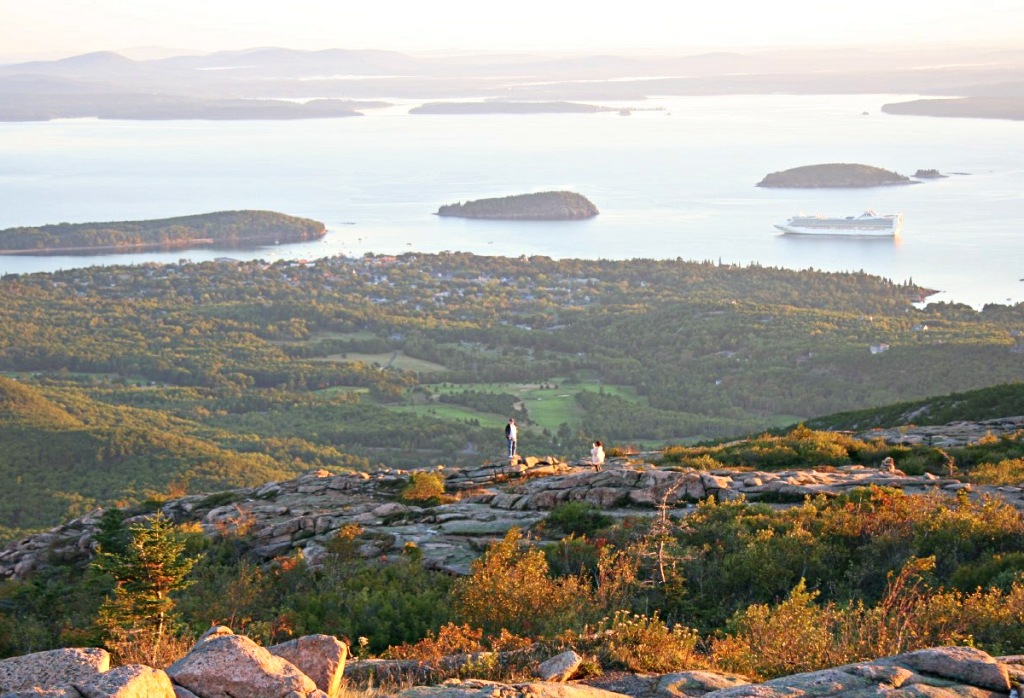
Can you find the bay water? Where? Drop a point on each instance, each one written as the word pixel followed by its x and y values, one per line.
pixel 674 178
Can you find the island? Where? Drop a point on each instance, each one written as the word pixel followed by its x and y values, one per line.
pixel 542 206
pixel 223 228
pixel 929 174
pixel 833 175
pixel 500 107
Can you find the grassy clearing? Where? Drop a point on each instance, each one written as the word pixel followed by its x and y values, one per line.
pixel 388 360
pixel 550 403
pixel 344 389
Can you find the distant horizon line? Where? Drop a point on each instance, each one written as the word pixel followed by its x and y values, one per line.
pixel 148 53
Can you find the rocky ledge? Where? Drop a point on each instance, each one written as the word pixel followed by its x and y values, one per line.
pixel 543 206
pixel 835 175
pixel 302 515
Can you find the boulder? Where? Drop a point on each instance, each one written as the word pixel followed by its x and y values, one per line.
pixel 128 681
pixel 54 669
pixel 320 657
pixel 561 667
pixel 233 666
pixel 960 664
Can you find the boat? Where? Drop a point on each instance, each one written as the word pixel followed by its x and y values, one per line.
pixel 867 224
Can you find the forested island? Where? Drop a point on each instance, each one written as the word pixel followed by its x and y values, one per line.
pixel 151 107
pixel 542 206
pixel 499 107
pixel 225 228
pixel 837 175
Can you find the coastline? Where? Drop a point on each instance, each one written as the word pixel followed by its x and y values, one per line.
pixel 195 243
pixel 101 249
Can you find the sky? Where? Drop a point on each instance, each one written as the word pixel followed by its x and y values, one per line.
pixel 55 28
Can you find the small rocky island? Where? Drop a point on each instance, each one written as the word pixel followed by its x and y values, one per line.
pixel 223 228
pixel 542 206
pixel 838 175
pixel 929 174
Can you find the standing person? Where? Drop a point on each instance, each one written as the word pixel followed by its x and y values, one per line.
pixel 597 456
pixel 511 436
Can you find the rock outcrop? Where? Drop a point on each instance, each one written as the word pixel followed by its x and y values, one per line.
pixel 941 672
pixel 232 666
pixel 542 206
pixel 301 516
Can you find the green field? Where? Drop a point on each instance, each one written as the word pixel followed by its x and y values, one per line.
pixel 549 404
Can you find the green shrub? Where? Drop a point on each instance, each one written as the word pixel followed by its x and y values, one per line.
pixel 578 518
pixel 1006 472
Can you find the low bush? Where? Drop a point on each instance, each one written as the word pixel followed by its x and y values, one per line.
pixel 424 488
pixel 578 518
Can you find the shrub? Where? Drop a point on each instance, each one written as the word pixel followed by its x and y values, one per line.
pixel 510 588
pixel 424 488
pixel 642 643
pixel 578 518
pixel 766 642
pixel 1006 472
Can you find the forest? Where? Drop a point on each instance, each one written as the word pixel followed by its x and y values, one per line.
pixel 118 382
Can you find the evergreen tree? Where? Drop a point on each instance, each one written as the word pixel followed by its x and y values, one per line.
pixel 146 572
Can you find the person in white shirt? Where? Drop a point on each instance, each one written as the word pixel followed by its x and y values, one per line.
pixel 512 437
pixel 597 456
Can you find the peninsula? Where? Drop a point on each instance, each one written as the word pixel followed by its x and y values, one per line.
pixel 228 228
pixel 975 107
pixel 833 175
pixel 542 206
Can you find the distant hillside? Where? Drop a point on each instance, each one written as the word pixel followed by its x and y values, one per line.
pixel 833 175
pixel 549 205
pixel 22 406
pixel 59 460
pixel 225 228
pixel 973 406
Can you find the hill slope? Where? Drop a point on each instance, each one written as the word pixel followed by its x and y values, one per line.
pixel 64 454
pixel 972 406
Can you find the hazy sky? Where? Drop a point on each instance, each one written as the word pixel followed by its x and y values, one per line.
pixel 76 26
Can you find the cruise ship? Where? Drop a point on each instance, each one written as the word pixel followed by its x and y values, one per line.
pixel 867 224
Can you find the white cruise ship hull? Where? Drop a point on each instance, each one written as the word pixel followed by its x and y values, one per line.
pixel 867 226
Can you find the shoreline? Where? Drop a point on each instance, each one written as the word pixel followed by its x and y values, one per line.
pixel 101 249
pixel 87 250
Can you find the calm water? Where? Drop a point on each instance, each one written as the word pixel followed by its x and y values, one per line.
pixel 674 183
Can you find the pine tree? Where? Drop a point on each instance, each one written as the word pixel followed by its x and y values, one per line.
pixel 150 567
